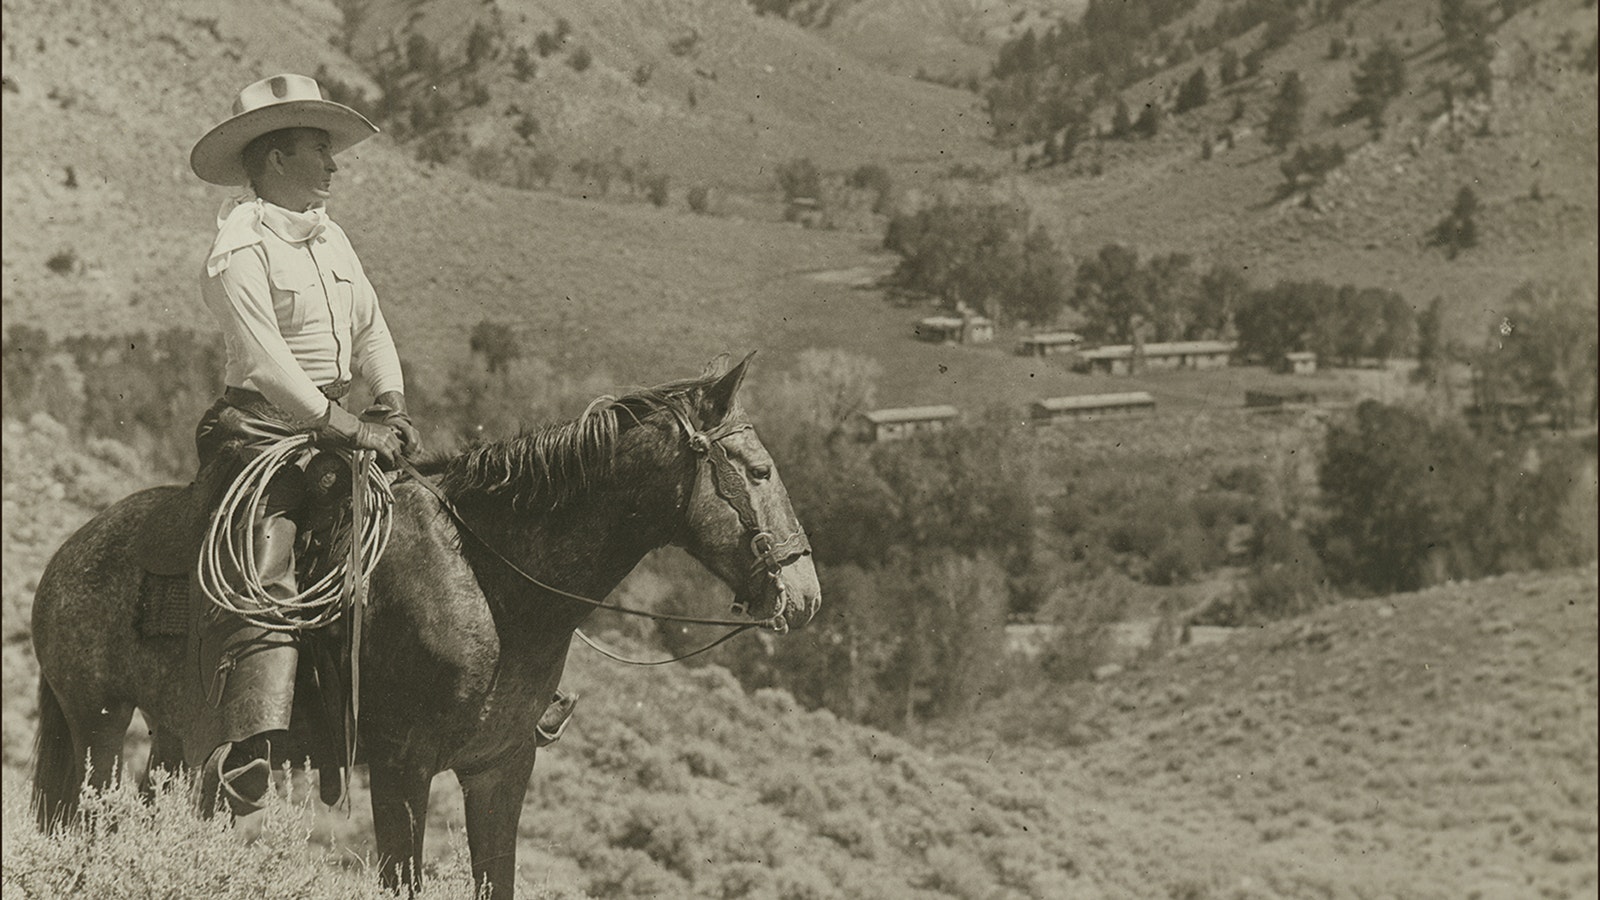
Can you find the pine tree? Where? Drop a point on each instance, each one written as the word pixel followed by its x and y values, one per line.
pixel 1379 79
pixel 1288 110
pixel 1458 231
pixel 1194 93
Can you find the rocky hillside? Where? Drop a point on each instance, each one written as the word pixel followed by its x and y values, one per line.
pixel 1439 744
pixel 1528 151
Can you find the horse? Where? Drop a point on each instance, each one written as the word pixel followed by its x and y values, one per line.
pixel 462 651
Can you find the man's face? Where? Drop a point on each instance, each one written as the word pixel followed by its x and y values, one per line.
pixel 307 173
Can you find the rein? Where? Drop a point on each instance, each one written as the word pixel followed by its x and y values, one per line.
pixel 770 553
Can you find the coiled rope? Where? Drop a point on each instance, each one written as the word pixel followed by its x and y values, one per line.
pixel 227 568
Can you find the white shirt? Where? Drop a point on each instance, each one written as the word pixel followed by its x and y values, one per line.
pixel 296 308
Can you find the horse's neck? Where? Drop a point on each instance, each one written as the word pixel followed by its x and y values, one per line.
pixel 586 547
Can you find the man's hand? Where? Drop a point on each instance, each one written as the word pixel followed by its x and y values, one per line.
pixel 351 431
pixel 395 417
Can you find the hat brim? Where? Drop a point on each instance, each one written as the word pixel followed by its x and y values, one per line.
pixel 216 158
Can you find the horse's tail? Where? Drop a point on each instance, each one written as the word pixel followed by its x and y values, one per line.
pixel 55 768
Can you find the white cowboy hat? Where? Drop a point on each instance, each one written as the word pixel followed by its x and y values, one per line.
pixel 282 101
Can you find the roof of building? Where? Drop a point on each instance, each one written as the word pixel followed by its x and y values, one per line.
pixel 1054 337
pixel 951 321
pixel 910 414
pixel 1172 348
pixel 1096 401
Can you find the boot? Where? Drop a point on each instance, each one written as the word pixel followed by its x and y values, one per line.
pixel 555 719
pixel 251 678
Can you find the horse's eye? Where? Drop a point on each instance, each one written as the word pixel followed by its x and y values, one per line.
pixel 760 472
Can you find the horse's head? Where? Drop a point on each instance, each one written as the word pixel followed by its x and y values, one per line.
pixel 739 523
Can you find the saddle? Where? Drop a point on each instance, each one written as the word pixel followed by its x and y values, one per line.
pixel 167 542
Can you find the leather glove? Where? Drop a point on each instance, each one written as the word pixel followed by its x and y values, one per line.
pixel 351 431
pixel 390 409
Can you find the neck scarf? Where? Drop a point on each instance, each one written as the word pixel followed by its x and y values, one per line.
pixel 240 222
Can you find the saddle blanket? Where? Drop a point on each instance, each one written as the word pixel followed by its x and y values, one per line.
pixel 164 605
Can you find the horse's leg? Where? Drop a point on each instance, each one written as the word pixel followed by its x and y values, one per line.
pixel 166 752
pixel 494 805
pixel 399 819
pixel 107 729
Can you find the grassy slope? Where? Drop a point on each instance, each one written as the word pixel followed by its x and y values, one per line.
pixel 765 91
pixel 1426 745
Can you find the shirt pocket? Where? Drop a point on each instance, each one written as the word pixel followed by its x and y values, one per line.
pixel 342 291
pixel 297 296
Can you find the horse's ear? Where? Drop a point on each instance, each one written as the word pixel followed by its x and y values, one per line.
pixel 718 400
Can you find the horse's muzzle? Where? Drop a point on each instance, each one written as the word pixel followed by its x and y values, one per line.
pixel 799 595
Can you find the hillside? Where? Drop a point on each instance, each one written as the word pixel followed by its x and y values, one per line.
pixel 103 223
pixel 1531 154
pixel 1430 745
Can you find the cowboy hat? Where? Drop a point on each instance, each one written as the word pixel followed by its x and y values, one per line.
pixel 282 101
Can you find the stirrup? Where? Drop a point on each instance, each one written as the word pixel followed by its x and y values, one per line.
pixel 555 719
pixel 243 787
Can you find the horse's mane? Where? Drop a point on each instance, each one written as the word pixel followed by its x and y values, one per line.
pixel 546 467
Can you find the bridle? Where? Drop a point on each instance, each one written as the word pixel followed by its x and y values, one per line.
pixel 769 552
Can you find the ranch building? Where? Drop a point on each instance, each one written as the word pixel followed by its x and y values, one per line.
pixel 956 329
pixel 1093 406
pixel 1300 362
pixel 1049 342
pixel 1117 359
pixel 906 422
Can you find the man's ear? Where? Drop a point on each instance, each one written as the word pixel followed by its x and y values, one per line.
pixel 718 400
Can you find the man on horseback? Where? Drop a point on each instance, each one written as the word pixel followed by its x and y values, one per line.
pixel 300 319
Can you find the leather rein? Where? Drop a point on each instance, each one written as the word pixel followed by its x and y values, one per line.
pixel 770 553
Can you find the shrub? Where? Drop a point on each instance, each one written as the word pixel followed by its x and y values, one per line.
pixel 527 126
pixel 497 343
pixel 64 262
pixel 1458 231
pixel 1288 109
pixel 1379 78
pixel 580 59
pixel 523 66
pixel 1195 92
pixel 656 188
pixel 113 854
pixel 1309 167
pixel 684 44
pixel 535 169
pixel 441 147
pixel 699 198
pixel 799 179
pixel 874 178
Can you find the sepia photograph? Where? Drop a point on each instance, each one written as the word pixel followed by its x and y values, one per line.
pixel 800 449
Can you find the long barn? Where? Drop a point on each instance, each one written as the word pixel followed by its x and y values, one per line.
pixel 1093 406
pixel 905 422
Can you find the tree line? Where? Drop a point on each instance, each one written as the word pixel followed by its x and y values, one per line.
pixel 988 257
